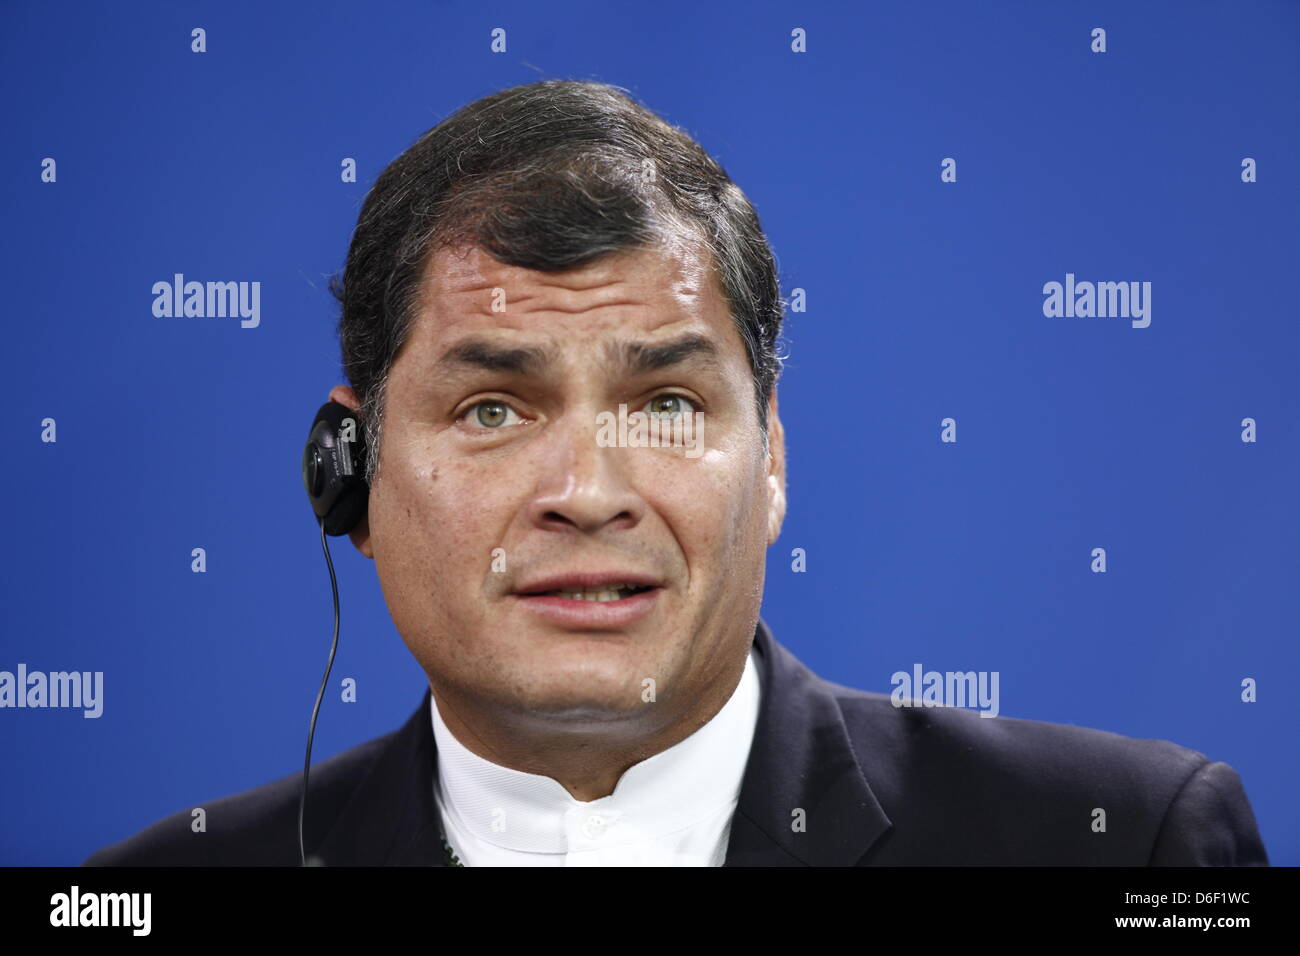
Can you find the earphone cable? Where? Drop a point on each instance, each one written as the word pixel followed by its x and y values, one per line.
pixel 311 730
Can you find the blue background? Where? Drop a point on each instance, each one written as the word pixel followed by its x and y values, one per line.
pixel 924 301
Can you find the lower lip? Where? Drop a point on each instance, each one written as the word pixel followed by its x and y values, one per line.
pixel 593 615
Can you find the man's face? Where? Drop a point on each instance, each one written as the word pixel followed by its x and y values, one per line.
pixel 493 487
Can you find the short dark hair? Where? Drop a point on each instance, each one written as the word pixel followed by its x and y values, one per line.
pixel 548 176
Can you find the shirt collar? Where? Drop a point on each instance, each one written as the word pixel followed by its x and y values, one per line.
pixel 669 791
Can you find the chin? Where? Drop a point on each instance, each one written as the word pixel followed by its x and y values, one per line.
pixel 586 687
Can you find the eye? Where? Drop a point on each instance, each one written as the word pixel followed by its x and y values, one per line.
pixel 489 414
pixel 669 406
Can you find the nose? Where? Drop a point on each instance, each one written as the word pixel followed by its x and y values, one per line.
pixel 582 486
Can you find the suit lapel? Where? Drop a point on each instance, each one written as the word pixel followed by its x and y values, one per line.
pixel 803 799
pixel 391 819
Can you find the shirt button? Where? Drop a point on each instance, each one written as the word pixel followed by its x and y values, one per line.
pixel 594 826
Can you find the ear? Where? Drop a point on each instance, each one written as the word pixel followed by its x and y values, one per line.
pixel 360 535
pixel 775 471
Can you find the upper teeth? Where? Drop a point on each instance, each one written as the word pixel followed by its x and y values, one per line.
pixel 607 593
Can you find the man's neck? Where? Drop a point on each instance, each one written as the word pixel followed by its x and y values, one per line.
pixel 587 758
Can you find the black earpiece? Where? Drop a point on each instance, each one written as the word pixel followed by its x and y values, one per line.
pixel 334 468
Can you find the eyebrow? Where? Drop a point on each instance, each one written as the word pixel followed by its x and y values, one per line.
pixel 638 357
pixel 480 354
pixel 635 357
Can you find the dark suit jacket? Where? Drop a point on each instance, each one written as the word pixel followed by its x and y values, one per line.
pixel 878 785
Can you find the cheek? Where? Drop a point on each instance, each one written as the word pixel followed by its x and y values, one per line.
pixel 414 519
pixel 714 504
pixel 439 520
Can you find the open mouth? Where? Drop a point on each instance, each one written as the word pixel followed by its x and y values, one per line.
pixel 608 593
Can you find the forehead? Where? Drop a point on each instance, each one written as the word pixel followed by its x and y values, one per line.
pixel 656 292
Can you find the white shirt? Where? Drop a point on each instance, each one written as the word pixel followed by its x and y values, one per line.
pixel 671 809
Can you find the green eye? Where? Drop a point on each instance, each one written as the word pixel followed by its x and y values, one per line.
pixel 491 414
pixel 670 406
